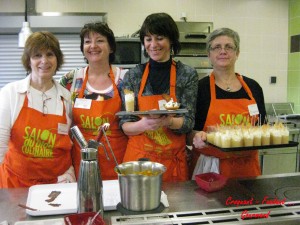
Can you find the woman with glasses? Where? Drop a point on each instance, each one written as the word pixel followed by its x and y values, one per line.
pixel 96 98
pixel 161 139
pixel 221 97
pixel 35 147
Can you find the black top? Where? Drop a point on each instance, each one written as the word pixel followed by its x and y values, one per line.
pixel 159 76
pixel 203 99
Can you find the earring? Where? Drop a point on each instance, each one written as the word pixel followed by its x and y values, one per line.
pixel 172 51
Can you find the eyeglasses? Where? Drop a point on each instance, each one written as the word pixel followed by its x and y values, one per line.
pixel 227 48
pixel 45 108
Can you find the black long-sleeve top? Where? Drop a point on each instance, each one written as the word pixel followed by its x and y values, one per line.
pixel 203 99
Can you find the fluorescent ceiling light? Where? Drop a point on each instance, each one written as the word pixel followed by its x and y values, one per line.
pixel 51 13
pixel 24 34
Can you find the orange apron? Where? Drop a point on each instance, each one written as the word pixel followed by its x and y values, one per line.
pixel 88 122
pixel 37 152
pixel 162 145
pixel 222 112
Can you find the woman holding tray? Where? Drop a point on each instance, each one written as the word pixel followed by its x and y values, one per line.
pixel 160 138
pixel 226 94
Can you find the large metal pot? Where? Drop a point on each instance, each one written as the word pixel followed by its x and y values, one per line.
pixel 140 184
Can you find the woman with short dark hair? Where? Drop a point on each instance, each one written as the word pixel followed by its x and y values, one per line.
pixel 161 139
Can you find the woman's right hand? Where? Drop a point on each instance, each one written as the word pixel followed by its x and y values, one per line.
pixel 199 139
pixel 146 123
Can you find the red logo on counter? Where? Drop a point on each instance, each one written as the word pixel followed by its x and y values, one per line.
pixel 243 202
pixel 238 202
pixel 246 215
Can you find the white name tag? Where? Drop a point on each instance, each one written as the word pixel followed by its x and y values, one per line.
pixel 253 110
pixel 62 128
pixel 83 103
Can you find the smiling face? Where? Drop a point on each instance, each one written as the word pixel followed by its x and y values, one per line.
pixel 43 64
pixel 223 53
pixel 158 47
pixel 96 48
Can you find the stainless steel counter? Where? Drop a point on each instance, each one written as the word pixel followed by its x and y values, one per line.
pixel 182 197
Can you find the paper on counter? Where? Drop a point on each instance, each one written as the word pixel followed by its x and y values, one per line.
pixel 111 194
pixel 164 199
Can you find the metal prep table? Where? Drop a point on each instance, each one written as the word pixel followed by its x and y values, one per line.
pixel 281 160
pixel 189 203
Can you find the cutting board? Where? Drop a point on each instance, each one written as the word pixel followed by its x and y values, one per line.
pixel 68 198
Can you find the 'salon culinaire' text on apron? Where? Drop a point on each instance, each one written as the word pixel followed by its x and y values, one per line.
pixel 89 119
pixel 161 145
pixel 38 150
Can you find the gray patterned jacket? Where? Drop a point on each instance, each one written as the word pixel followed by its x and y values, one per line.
pixel 186 92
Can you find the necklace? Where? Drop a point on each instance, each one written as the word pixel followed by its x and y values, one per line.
pixel 227 83
pixel 228 89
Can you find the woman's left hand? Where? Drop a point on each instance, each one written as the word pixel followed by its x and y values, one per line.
pixel 199 139
pixel 67 177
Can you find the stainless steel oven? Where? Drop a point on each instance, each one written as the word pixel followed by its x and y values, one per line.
pixel 200 63
pixel 129 52
pixel 193 39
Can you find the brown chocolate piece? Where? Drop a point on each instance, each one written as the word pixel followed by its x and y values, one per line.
pixel 54 205
pixel 52 196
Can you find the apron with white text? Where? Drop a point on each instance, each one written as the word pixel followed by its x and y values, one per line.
pixel 162 145
pixel 88 122
pixel 221 111
pixel 37 152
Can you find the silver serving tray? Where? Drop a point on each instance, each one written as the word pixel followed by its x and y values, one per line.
pixel 151 112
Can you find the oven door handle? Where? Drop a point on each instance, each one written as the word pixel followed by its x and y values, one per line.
pixel 196 35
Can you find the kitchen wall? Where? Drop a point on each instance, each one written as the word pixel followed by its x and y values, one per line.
pixel 294 58
pixel 262 25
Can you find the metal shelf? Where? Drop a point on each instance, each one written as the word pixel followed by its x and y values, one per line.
pixel 282 108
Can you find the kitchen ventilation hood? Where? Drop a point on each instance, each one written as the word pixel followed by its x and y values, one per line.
pixel 53 22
